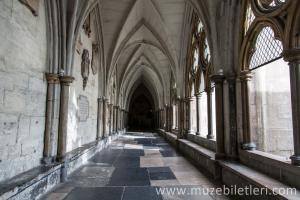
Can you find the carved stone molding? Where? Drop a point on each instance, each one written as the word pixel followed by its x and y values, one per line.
pixel 87 26
pixel 292 55
pixel 85 64
pixel 95 58
pixel 52 78
pixel 66 80
pixel 32 5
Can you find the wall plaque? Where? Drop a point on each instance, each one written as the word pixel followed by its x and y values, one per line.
pixel 83 108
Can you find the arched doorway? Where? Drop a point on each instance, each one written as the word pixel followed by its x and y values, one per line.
pixel 141 110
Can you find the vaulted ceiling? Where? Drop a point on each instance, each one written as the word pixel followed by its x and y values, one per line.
pixel 143 43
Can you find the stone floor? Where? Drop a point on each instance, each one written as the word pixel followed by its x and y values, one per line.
pixel 139 166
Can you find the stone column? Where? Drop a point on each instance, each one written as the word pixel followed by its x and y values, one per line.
pixel 177 114
pixel 114 119
pixel 117 119
pixel 52 79
pixel 65 82
pixel 168 119
pixel 121 118
pixel 104 117
pixel 99 118
pixel 161 119
pixel 172 122
pixel 181 119
pixel 232 115
pixel 189 114
pixel 210 134
pixel 198 96
pixel 245 77
pixel 158 119
pixel 293 57
pixel 220 150
pixel 110 107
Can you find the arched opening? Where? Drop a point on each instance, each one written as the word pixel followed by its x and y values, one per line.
pixel 141 110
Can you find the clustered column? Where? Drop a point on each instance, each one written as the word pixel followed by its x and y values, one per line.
pixel 293 57
pixel 99 119
pixel 198 96
pixel 208 91
pixel 52 79
pixel 245 77
pixel 65 82
pixel 220 150
pixel 189 101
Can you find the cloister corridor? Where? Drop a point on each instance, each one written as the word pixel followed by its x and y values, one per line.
pixel 136 166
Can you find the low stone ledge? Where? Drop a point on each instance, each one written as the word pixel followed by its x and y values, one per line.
pixel 18 184
pixel 172 138
pixel 201 156
pixel 274 166
pixel 204 158
pixel 204 142
pixel 240 176
pixel 34 183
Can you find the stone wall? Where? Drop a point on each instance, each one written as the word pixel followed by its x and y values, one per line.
pixel 81 132
pixel 22 87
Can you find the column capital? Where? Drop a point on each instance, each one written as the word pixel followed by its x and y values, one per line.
pixel 188 99
pixel 246 75
pixel 291 55
pixel 198 95
pixel 232 78
pixel 66 80
pixel 52 78
pixel 101 99
pixel 217 78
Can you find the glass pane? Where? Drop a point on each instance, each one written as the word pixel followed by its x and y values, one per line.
pixel 267 48
pixel 270 109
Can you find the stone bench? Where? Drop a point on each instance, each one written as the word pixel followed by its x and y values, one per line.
pixel 239 175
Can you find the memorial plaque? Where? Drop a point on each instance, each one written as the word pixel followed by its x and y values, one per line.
pixel 83 108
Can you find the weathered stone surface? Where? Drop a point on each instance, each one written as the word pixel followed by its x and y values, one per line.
pixel 22 87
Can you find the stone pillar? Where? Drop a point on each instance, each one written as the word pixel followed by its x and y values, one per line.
pixel 162 119
pixel 158 119
pixel 121 118
pixel 210 134
pixel 104 117
pixel 232 115
pixel 181 119
pixel 65 82
pixel 52 79
pixel 110 107
pixel 198 96
pixel 168 118
pixel 245 77
pixel 173 122
pixel 220 150
pixel 177 114
pixel 99 118
pixel 293 57
pixel 189 114
pixel 113 119
pixel 117 118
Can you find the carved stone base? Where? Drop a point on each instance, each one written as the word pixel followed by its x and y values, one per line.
pixel 249 146
pixel 295 160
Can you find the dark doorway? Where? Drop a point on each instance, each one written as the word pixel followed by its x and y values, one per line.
pixel 141 110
